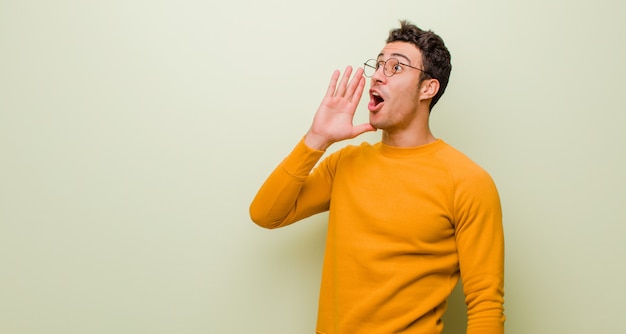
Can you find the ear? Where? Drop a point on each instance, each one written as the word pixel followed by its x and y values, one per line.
pixel 429 89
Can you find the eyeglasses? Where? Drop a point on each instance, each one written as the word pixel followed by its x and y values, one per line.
pixel 391 66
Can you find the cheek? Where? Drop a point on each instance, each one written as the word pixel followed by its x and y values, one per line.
pixel 408 96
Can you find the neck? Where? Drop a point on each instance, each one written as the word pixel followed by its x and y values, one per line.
pixel 417 133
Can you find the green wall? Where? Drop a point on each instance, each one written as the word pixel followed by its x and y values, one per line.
pixel 134 134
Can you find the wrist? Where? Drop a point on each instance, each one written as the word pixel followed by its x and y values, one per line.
pixel 316 142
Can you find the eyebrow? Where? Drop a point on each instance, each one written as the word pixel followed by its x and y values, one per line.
pixel 397 55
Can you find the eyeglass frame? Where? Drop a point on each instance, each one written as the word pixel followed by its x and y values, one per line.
pixel 385 66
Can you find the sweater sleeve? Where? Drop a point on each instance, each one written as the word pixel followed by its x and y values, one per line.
pixel 480 246
pixel 292 192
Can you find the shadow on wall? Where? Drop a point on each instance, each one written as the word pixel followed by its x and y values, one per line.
pixel 455 318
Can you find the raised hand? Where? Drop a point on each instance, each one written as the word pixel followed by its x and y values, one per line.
pixel 333 119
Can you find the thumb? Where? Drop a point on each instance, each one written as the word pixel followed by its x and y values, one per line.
pixel 362 128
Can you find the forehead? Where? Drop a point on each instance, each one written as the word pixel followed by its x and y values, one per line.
pixel 404 51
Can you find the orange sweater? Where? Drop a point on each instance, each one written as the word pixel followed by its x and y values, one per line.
pixel 404 223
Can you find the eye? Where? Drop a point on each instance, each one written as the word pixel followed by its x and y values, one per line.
pixel 397 67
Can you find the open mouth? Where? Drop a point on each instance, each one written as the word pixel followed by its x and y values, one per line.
pixel 377 98
pixel 375 101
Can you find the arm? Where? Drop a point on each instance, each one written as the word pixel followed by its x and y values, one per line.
pixel 290 193
pixel 480 244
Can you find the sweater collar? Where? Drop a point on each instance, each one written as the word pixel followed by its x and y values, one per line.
pixel 408 152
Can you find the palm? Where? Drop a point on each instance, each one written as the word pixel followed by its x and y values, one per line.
pixel 333 120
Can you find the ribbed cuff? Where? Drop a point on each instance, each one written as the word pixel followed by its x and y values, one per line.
pixel 301 160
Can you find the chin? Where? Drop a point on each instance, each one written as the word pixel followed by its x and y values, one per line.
pixel 375 120
pixel 378 125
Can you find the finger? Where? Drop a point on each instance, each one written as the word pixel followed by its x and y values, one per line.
pixel 332 85
pixel 354 82
pixel 355 91
pixel 341 89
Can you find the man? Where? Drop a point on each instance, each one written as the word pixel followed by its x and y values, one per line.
pixel 408 216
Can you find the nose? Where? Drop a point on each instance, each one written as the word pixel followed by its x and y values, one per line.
pixel 379 75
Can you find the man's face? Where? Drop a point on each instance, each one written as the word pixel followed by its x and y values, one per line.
pixel 394 100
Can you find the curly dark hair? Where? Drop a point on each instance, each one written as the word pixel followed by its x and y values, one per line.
pixel 435 54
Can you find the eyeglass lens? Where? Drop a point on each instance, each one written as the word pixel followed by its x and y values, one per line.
pixel 389 66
